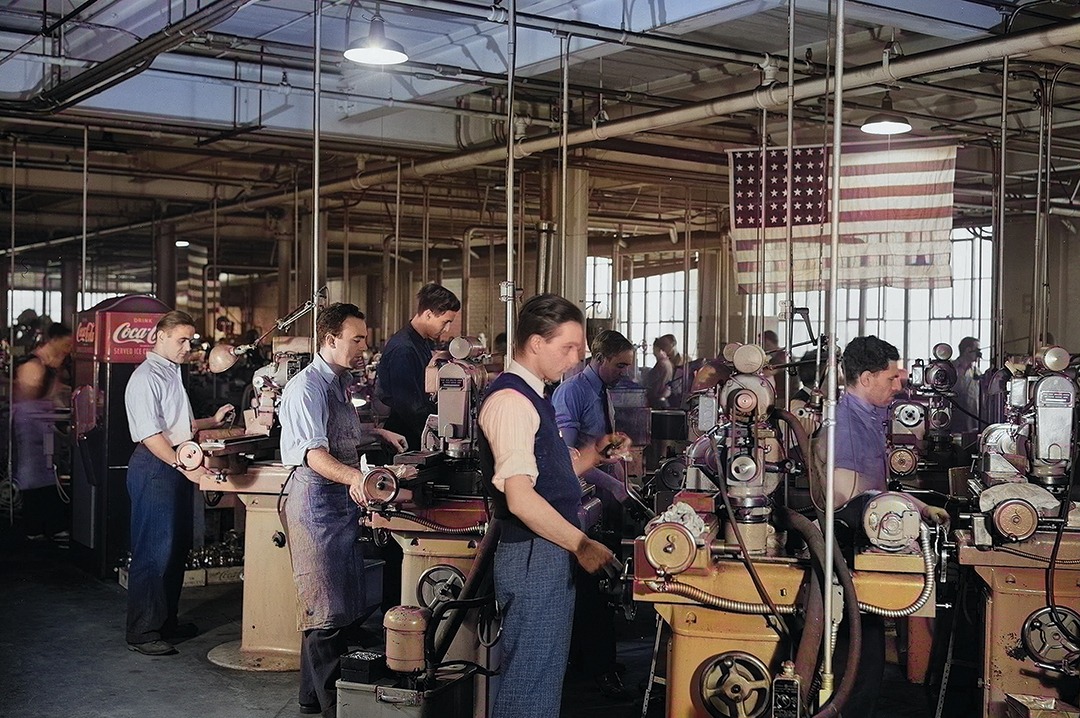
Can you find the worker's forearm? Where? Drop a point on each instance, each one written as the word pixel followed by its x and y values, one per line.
pixel 543 520
pixel 330 468
pixel 160 447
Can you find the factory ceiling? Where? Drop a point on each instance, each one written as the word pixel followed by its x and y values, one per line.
pixel 198 114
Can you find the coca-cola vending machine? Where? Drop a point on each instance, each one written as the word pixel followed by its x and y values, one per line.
pixel 111 340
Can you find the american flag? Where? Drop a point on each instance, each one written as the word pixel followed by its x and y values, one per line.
pixel 895 216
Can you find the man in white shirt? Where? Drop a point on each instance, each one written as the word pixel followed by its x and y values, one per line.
pixel 160 418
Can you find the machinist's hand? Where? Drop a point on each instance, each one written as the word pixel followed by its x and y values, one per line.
pixel 396 441
pixel 935 516
pixel 593 555
pixel 223 413
pixel 195 476
pixel 356 489
pixel 613 447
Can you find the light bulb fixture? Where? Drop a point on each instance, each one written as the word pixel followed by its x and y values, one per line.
pixel 376 48
pixel 182 243
pixel 886 122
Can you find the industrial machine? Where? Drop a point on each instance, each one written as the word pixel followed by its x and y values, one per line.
pixel 920 422
pixel 1021 537
pixel 722 570
pixel 438 649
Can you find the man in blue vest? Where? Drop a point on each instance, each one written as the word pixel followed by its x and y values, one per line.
pixel 532 479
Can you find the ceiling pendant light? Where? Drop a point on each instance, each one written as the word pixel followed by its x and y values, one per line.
pixel 376 48
pixel 886 122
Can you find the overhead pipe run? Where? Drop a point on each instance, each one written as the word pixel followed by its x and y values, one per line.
pixel 772 96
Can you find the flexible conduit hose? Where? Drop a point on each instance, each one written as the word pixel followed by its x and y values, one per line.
pixel 806 655
pixel 816 543
pixel 713 601
pixel 928 582
pixel 436 526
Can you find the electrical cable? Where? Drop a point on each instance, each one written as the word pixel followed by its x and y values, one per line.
pixel 1066 502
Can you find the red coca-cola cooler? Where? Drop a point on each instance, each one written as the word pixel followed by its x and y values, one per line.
pixel 111 340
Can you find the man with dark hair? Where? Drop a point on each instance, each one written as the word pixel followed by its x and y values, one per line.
pixel 320 431
pixel 160 418
pixel 37 386
pixel 872 380
pixel 584 415
pixel 531 477
pixel 399 380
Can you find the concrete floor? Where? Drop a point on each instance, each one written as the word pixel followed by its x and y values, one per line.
pixel 62 655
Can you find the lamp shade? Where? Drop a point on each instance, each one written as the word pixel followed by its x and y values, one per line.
pixel 886 122
pixel 376 48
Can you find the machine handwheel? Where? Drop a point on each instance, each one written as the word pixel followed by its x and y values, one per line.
pixel 1043 637
pixel 734 685
pixel 438 584
pixel 489 625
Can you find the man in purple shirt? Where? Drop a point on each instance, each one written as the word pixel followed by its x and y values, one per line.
pixel 872 378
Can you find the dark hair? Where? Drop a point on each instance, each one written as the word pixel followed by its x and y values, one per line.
pixel 174 319
pixel 437 298
pixel 966 343
pixel 57 330
pixel 609 343
pixel 333 317
pixel 543 315
pixel 867 354
pixel 808 368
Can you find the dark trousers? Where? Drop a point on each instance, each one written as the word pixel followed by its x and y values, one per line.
pixel 161 535
pixel 592 643
pixel 43 512
pixel 871 666
pixel 320 665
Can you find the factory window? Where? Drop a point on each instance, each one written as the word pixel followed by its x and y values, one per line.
pixel 913 319
pixel 598 288
pixel 650 307
pixel 42 302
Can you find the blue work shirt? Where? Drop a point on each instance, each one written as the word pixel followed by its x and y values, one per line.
pixel 305 409
pixel 860 440
pixel 399 383
pixel 580 408
pixel 156 402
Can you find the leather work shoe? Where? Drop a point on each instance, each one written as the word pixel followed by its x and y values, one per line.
pixel 153 648
pixel 310 708
pixel 610 685
pixel 181 631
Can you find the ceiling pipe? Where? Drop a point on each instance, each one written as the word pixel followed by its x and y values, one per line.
pixel 766 97
pixel 499 15
pixel 123 65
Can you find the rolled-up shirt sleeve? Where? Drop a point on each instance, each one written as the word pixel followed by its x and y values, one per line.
pixel 510 422
pixel 303 415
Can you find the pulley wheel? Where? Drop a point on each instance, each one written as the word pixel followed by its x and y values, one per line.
pixel 1015 519
pixel 189 455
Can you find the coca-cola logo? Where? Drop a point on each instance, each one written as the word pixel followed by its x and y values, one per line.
pixel 86 333
pixel 127 334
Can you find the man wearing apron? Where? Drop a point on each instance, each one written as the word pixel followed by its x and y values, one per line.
pixel 320 432
pixel 532 480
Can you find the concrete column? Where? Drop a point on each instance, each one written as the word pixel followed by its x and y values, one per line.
pixel 69 290
pixel 165 268
pixel 576 249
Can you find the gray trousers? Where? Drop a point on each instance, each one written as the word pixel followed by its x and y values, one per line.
pixel 535 587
